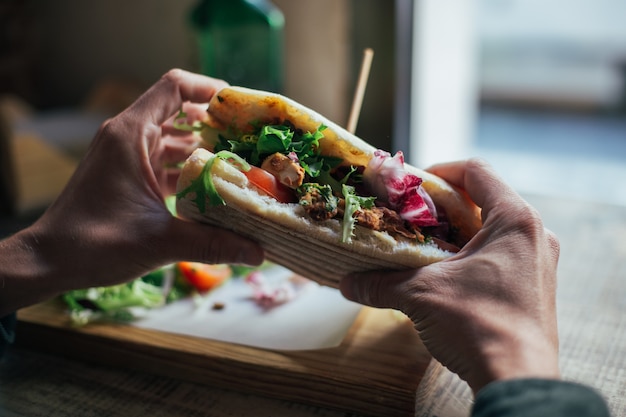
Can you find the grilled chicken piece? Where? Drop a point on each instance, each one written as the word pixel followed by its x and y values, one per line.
pixel 288 171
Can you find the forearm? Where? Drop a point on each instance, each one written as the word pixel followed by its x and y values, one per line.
pixel 25 277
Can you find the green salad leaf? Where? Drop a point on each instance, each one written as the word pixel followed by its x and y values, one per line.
pixel 203 185
pixel 353 203
pixel 117 302
pixel 284 139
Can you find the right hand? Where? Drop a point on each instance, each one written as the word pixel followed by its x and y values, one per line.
pixel 488 312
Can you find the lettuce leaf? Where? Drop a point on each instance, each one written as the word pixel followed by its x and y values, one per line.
pixel 119 302
pixel 284 139
pixel 353 203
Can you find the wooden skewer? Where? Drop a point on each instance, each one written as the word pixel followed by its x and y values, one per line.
pixel 357 102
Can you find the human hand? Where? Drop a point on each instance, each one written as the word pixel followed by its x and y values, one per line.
pixel 110 224
pixel 488 312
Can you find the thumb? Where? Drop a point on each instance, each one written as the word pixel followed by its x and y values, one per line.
pixel 199 242
pixel 381 289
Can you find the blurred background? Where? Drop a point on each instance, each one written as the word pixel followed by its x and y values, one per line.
pixel 537 88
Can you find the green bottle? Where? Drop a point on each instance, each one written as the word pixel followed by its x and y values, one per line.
pixel 240 41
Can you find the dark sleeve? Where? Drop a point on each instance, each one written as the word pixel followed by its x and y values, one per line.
pixel 537 398
pixel 7 332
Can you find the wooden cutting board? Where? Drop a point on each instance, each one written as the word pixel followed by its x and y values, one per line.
pixel 375 371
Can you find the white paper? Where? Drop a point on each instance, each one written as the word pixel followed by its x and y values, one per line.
pixel 318 317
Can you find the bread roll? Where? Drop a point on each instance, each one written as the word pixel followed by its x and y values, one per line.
pixel 290 238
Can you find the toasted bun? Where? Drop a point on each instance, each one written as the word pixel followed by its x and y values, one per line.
pixel 310 248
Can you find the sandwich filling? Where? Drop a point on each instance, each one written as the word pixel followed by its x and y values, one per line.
pixel 285 163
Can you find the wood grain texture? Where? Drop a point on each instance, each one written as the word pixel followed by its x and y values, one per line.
pixel 592 324
pixel 375 371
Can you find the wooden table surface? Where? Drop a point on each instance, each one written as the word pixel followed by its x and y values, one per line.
pixel 592 325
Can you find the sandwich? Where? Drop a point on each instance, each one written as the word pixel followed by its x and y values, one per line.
pixel 321 201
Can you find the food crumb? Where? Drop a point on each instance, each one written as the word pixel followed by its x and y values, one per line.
pixel 218 305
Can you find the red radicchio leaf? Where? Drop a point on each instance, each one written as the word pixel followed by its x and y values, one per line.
pixel 390 182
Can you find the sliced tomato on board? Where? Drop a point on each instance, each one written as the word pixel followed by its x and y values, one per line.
pixel 204 277
pixel 268 184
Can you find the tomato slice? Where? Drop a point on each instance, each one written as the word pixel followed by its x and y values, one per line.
pixel 269 185
pixel 204 277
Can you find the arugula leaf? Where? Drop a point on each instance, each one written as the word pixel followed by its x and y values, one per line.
pixel 353 203
pixel 203 185
pixel 234 160
pixel 204 188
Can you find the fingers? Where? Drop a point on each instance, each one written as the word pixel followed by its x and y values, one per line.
pixel 479 180
pixel 202 243
pixel 381 289
pixel 193 113
pixel 169 180
pixel 176 150
pixel 453 172
pixel 167 96
pixel 553 243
